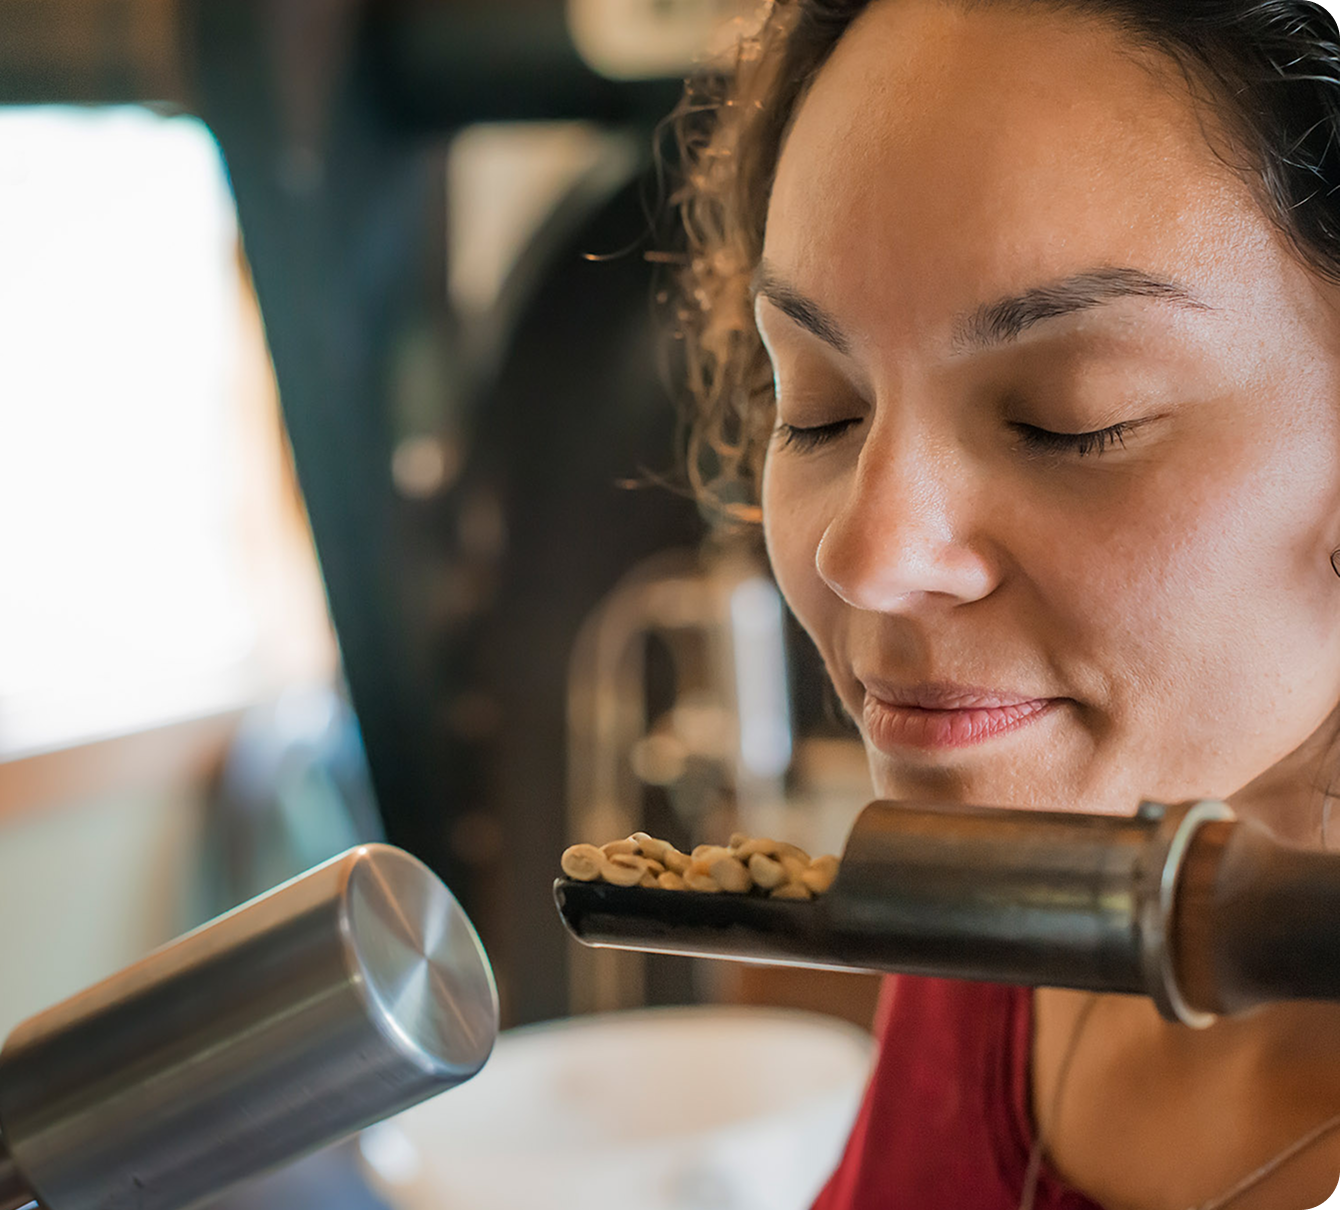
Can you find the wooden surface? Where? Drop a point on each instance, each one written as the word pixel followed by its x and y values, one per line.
pixel 175 754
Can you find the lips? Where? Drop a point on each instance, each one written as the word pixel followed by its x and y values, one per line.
pixel 939 716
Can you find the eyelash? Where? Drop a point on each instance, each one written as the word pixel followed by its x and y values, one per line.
pixel 806 439
pixel 1097 442
pixel 1038 440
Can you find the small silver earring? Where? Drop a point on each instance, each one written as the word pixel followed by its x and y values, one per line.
pixel 1335 561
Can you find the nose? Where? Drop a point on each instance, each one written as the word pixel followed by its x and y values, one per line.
pixel 908 531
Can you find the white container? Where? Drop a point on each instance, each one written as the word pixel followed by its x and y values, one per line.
pixel 659 1109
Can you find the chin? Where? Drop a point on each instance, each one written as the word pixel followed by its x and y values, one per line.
pixel 986 783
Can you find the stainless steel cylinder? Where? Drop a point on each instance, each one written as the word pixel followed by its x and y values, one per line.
pixel 1011 896
pixel 1027 897
pixel 1204 913
pixel 335 1000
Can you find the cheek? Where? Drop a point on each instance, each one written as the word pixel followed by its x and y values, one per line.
pixel 1200 600
pixel 794 521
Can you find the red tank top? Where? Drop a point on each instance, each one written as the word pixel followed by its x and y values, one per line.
pixel 946 1123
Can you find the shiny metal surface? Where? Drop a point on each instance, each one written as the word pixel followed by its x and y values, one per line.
pixel 1011 896
pixel 983 893
pixel 343 996
pixel 1202 912
pixel 1177 833
pixel 1257 921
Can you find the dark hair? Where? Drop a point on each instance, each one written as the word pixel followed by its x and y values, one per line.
pixel 1271 69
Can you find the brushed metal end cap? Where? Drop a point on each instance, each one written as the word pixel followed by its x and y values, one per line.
pixel 425 972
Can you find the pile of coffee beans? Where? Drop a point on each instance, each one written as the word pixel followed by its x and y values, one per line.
pixel 743 866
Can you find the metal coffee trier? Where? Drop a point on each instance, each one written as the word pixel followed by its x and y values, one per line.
pixel 1203 912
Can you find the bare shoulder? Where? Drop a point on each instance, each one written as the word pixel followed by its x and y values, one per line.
pixel 1154 1116
pixel 1307 1179
pixel 1301 1070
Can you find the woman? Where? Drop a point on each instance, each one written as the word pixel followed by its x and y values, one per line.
pixel 1020 323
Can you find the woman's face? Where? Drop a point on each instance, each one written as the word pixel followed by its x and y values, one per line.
pixel 1057 470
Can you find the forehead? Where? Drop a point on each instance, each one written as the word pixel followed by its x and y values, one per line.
pixel 948 153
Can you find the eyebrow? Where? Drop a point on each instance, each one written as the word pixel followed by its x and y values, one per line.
pixel 998 322
pixel 790 302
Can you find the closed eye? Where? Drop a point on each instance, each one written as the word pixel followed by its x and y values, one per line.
pixel 792 436
pixel 1095 442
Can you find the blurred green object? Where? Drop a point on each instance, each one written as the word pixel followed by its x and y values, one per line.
pixel 293 791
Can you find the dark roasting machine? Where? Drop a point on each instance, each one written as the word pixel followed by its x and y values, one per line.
pixel 1205 913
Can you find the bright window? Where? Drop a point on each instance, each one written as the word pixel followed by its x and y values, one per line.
pixel 138 438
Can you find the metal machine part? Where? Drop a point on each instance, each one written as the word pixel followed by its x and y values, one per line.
pixel 728 736
pixel 1255 921
pixel 343 996
pixel 1202 912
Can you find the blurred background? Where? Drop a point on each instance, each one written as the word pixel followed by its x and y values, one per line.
pixel 337 405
